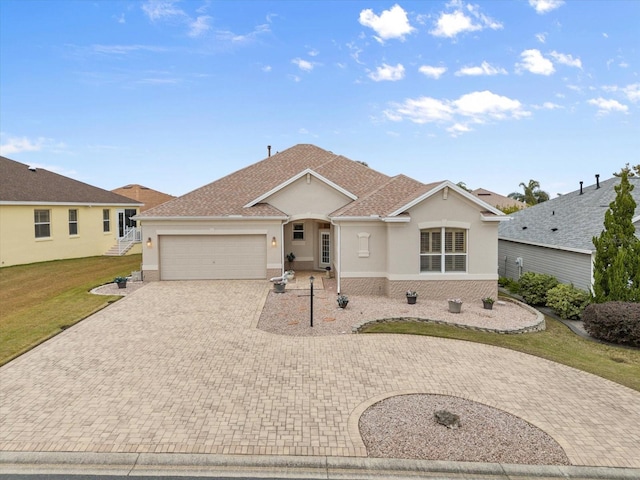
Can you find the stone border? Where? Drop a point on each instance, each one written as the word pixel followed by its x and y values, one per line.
pixel 538 327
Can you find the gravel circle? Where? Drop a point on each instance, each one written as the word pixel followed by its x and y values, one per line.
pixel 404 427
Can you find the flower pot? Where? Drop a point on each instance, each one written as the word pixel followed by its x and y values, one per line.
pixel 343 304
pixel 411 300
pixel 455 307
pixel 488 305
pixel 279 287
pixel 122 285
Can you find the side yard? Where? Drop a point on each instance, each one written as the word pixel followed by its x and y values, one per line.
pixel 39 300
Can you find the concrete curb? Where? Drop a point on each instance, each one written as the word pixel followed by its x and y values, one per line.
pixel 302 467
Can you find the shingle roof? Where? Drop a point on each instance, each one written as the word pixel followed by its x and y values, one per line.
pixel 20 183
pixel 568 221
pixel 377 194
pixel 497 200
pixel 230 194
pixel 149 197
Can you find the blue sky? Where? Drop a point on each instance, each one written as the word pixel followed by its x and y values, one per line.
pixel 175 94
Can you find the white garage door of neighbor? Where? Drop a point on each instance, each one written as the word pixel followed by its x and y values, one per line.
pixel 212 257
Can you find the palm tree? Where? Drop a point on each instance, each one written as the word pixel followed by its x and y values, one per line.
pixel 532 194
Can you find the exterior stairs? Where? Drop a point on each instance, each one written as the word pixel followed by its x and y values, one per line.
pixel 118 250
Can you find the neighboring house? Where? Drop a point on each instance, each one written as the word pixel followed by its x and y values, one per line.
pixel 497 200
pixel 555 236
pixel 378 234
pixel 46 216
pixel 148 197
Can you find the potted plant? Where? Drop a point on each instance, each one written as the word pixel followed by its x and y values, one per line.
pixel 290 258
pixel 343 300
pixel 121 282
pixel 279 287
pixel 412 296
pixel 327 272
pixel 487 302
pixel 455 305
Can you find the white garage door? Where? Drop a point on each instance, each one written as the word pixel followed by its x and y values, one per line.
pixel 212 257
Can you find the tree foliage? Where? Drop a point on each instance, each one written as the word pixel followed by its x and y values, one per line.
pixel 616 268
pixel 532 194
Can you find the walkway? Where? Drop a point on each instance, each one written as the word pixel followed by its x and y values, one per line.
pixel 181 367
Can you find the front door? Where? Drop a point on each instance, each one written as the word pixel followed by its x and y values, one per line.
pixel 325 249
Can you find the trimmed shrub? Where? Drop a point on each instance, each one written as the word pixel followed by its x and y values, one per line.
pixel 534 287
pixel 617 322
pixel 568 301
pixel 510 284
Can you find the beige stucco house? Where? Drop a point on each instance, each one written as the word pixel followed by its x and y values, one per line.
pixel 380 235
pixel 45 216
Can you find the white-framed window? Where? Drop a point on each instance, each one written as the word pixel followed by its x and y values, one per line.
pixel 106 220
pixel 443 250
pixel 73 221
pixel 42 221
pixel 298 231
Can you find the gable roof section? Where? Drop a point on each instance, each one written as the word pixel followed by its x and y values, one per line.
pixel 496 200
pixel 569 221
pixel 20 184
pixel 236 194
pixel 149 197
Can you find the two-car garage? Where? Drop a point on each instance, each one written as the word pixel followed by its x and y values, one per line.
pixel 212 257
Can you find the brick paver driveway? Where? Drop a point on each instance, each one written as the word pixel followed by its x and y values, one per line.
pixel 180 367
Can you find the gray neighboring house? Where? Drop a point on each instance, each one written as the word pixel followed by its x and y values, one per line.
pixel 555 237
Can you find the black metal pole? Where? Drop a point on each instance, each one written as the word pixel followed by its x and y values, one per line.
pixel 311 312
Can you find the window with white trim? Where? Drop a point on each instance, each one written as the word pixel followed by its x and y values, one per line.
pixel 443 250
pixel 42 221
pixel 73 221
pixel 298 231
pixel 106 220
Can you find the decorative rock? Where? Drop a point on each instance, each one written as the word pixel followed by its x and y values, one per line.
pixel 448 419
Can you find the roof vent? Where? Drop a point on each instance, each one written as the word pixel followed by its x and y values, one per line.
pixel 524 228
pixel 269 150
pixel 554 229
pixel 581 187
pixel 597 181
pixel 33 169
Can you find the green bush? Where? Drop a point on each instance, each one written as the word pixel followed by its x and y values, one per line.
pixel 510 284
pixel 568 301
pixel 534 287
pixel 617 322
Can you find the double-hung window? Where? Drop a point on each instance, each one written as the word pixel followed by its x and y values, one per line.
pixel 298 231
pixel 42 221
pixel 73 221
pixel 106 220
pixel 443 250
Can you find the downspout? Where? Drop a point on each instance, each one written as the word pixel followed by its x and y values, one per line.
pixel 282 243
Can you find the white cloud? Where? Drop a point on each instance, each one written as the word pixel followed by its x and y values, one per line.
pixel 239 39
pixel 534 62
pixel 545 6
pixel 125 49
pixel 607 106
pixel 451 24
pixel 304 65
pixel 484 69
pixel 432 72
pixel 566 59
pixel 199 26
pixel 541 37
pixel 13 145
pixel 392 23
pixel 547 106
pixel 458 115
pixel 631 91
pixel 266 68
pixel 314 53
pixel 161 9
pixel 388 73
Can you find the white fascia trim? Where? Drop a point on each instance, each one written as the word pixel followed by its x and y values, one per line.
pixel 204 219
pixel 553 247
pixel 212 231
pixel 297 177
pixel 372 218
pixel 504 218
pixel 85 204
pixel 396 219
pixel 635 219
pixel 453 186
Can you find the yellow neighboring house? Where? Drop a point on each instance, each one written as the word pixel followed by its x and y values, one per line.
pixel 46 216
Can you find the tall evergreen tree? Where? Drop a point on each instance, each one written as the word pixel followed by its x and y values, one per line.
pixel 616 268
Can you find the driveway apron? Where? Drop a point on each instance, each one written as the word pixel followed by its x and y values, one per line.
pixel 180 367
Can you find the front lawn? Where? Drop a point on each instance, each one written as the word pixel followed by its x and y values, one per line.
pixel 556 343
pixel 39 300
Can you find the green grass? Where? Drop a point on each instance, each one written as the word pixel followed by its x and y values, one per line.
pixel 39 300
pixel 557 343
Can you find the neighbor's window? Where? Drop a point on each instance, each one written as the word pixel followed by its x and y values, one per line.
pixel 298 231
pixel 443 250
pixel 106 221
pixel 73 222
pixel 42 223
